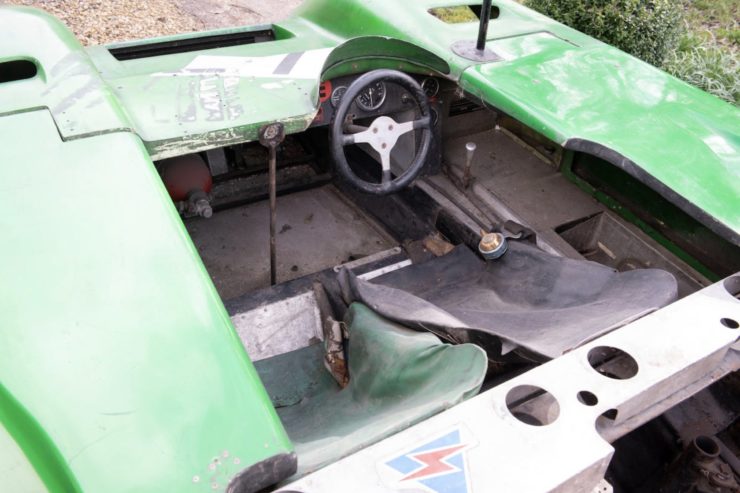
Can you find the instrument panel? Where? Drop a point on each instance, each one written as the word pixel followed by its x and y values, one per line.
pixel 377 99
pixel 370 99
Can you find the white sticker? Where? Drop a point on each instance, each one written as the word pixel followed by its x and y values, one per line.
pixel 300 65
pixel 435 465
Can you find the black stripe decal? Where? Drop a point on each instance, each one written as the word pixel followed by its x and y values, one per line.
pixel 288 63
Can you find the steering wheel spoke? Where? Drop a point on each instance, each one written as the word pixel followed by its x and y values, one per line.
pixel 421 123
pixel 355 129
pixel 385 160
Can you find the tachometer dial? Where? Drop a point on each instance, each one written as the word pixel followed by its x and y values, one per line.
pixel 430 86
pixel 372 97
pixel 337 94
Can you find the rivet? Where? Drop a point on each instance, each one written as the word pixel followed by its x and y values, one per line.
pixel 196 479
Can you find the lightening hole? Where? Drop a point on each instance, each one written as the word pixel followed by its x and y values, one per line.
pixel 532 405
pixel 612 362
pixel 732 285
pixel 587 398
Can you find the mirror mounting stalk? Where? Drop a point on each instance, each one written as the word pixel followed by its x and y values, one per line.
pixel 485 16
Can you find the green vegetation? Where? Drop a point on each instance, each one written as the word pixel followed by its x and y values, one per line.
pixel 648 29
pixel 708 53
pixel 454 15
pixel 715 20
pixel 708 67
pixel 695 40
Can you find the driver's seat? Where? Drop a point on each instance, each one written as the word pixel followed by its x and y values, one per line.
pixel 397 377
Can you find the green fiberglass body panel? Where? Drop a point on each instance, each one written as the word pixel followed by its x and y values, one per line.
pixel 679 140
pixel 188 102
pixel 120 369
pixel 193 101
pixel 67 84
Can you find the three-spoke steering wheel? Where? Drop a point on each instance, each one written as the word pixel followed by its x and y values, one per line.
pixel 382 135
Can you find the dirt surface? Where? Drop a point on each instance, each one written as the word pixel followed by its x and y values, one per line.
pixel 106 21
pixel 223 13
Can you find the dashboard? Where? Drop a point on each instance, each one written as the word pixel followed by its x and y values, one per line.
pixel 380 98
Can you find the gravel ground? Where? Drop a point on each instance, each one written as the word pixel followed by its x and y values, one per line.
pixel 106 21
pixel 222 13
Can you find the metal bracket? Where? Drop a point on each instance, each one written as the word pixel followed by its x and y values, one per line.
pixel 468 49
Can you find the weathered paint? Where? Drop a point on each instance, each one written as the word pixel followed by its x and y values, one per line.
pixel 67 83
pixel 190 102
pixel 120 369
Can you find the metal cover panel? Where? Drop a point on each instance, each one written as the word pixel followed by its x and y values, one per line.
pixel 280 327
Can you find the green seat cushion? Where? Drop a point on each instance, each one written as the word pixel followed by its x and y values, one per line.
pixel 398 377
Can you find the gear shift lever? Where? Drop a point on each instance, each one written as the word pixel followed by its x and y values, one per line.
pixel 470 148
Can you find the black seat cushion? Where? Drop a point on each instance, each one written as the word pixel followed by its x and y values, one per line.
pixel 528 299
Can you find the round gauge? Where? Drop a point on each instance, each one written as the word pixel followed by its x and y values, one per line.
pixel 337 94
pixel 372 97
pixel 430 86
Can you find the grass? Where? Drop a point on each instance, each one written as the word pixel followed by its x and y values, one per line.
pixel 710 67
pixel 454 15
pixel 717 21
pixel 708 53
